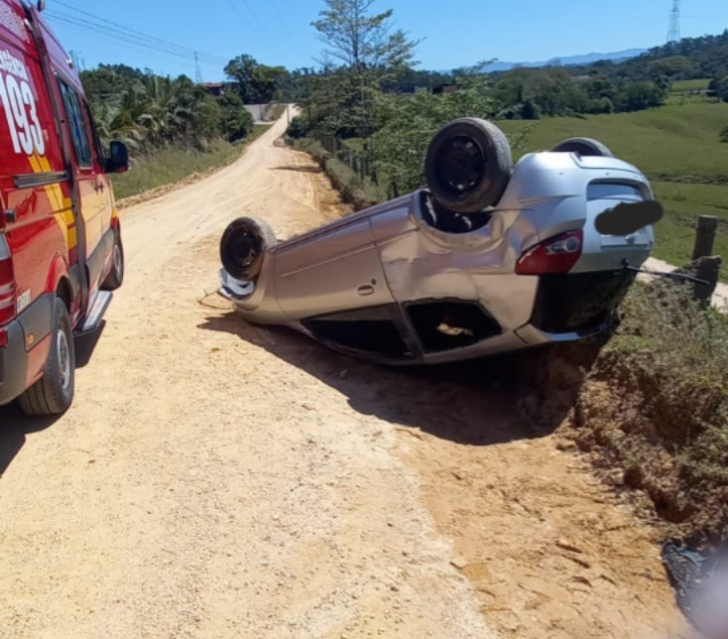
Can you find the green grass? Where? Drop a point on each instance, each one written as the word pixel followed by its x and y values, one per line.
pixel 679 149
pixel 690 85
pixel 175 164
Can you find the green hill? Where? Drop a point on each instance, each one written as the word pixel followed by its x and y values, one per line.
pixel 678 147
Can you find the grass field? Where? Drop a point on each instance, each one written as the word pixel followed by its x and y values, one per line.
pixel 678 147
pixel 174 164
pixel 690 85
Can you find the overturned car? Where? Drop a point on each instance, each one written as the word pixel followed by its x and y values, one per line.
pixel 489 258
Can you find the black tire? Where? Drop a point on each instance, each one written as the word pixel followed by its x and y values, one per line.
pixel 53 393
pixel 115 278
pixel 586 147
pixel 468 165
pixel 243 246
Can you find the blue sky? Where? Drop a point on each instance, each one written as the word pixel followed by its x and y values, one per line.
pixel 454 32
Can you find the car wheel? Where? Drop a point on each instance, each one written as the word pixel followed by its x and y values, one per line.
pixel 243 246
pixel 115 278
pixel 53 393
pixel 468 165
pixel 585 147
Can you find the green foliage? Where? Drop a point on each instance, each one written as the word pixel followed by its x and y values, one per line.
pixel 170 165
pixel 721 88
pixel 530 93
pixel 411 121
pixel 255 83
pixel 362 40
pixel 236 121
pixel 638 96
pixel 149 112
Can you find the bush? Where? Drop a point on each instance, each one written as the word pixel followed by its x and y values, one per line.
pixel 299 127
pixel 235 120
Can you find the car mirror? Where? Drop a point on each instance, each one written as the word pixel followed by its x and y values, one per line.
pixel 118 162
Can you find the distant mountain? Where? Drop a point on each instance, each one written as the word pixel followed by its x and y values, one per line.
pixel 569 60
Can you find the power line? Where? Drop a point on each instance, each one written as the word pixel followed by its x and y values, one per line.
pixel 281 18
pixel 106 35
pixel 240 13
pixel 120 29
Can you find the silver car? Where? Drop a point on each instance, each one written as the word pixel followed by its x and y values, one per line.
pixel 489 258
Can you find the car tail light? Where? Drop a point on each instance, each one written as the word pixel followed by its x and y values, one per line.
pixel 7 291
pixel 558 254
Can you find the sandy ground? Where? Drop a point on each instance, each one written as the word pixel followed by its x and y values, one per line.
pixel 720 297
pixel 215 479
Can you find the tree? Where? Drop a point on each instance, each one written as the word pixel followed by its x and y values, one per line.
pixel 236 122
pixel 252 81
pixel 360 39
pixel 637 96
pixel 721 88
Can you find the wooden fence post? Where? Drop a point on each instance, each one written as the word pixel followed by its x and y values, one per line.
pixel 705 236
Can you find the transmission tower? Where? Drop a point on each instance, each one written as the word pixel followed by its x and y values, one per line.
pixel 673 35
pixel 198 70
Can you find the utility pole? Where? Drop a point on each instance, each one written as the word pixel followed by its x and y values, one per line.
pixel 198 71
pixel 673 34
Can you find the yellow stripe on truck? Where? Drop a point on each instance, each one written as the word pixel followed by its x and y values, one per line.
pixel 62 206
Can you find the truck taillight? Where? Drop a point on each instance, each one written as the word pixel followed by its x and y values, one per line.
pixel 558 254
pixel 8 299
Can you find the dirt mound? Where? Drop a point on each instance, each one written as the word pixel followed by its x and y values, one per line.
pixel 651 430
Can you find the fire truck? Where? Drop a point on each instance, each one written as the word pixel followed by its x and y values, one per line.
pixel 61 252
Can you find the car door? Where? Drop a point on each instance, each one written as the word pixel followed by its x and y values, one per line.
pixel 87 173
pixel 334 271
pixel 103 182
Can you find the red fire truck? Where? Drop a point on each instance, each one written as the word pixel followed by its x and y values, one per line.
pixel 61 253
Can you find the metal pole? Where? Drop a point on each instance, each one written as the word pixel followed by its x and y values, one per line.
pixel 705 236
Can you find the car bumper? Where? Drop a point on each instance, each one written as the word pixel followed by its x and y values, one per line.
pixel 13 364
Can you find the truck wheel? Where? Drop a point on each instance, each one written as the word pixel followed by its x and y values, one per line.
pixel 115 278
pixel 53 393
pixel 468 165
pixel 586 147
pixel 243 246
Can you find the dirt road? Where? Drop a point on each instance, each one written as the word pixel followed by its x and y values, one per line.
pixel 215 479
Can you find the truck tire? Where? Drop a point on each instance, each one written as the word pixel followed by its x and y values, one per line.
pixel 468 165
pixel 115 278
pixel 53 393
pixel 586 147
pixel 243 246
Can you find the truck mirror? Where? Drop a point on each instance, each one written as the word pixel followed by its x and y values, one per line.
pixel 119 160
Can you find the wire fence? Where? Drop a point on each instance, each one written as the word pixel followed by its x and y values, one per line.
pixel 361 161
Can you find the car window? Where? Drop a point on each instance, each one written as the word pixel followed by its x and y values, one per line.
pixel 77 125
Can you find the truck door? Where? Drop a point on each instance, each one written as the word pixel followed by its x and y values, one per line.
pixel 89 179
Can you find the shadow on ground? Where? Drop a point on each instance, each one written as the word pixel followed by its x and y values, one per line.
pixel 86 345
pixel 14 426
pixel 298 169
pixel 478 403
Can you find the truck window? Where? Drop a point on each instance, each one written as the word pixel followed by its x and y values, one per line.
pixel 98 149
pixel 77 125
